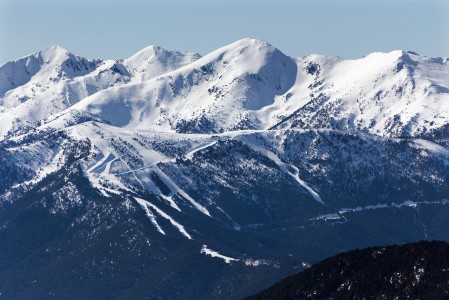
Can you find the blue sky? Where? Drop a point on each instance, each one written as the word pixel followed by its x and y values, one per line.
pixel 118 28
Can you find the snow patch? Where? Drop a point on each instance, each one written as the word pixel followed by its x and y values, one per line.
pixel 256 262
pixel 342 211
pixel 189 155
pixel 250 141
pixel 147 206
pixel 149 214
pixel 213 253
pixel 174 187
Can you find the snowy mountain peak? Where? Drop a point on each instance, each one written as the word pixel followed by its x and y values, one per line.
pixel 154 61
pixel 252 53
pixel 154 51
pixel 218 92
pixel 251 42
pixel 54 53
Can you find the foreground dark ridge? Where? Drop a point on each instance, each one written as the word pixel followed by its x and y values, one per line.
pixel 417 271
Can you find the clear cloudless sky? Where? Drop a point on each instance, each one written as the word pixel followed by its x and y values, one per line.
pixel 118 28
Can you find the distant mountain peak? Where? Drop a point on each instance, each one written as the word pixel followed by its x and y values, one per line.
pixel 154 60
pixel 56 48
pixel 253 41
pixel 54 54
pixel 149 50
pixel 247 44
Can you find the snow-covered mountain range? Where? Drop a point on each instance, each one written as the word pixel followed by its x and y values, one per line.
pixel 222 166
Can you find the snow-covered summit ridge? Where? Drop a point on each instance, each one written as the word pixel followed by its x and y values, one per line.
pixel 55 58
pixel 248 84
pixel 153 61
pixel 45 83
pixel 215 93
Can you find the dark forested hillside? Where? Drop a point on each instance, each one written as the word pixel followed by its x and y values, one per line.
pixel 412 271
